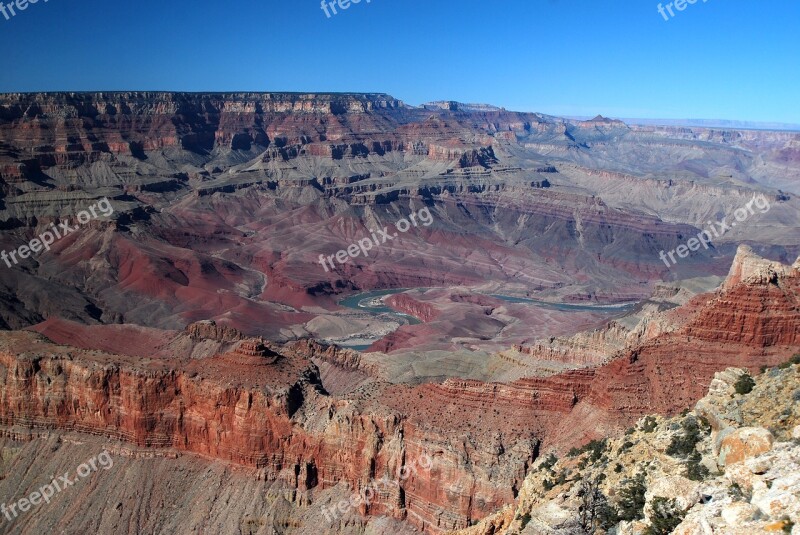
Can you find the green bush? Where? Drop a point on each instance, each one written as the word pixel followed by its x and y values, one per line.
pixel 631 498
pixel 594 511
pixel 685 442
pixel 694 469
pixel 649 424
pixel 549 462
pixel 744 385
pixel 788 364
pixel 595 449
pixel 665 516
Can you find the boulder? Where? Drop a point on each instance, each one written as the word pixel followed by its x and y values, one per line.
pixel 684 491
pixel 737 445
pixel 739 513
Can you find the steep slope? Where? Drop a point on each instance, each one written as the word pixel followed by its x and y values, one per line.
pixel 727 466
pixel 216 394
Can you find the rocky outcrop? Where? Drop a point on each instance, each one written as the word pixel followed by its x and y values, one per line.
pixel 668 469
pixel 209 330
pixel 408 305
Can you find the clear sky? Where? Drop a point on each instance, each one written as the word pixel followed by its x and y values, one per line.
pixel 720 59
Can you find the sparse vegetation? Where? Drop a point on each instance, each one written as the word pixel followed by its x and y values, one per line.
pixel 738 494
pixel 685 442
pixel 788 364
pixel 631 501
pixel 595 512
pixel 744 385
pixel 595 449
pixel 562 477
pixel 665 516
pixel 549 462
pixel 649 424
pixel 695 470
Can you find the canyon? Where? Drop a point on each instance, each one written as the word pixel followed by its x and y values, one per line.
pixel 195 333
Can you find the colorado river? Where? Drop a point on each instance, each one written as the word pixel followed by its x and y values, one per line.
pixel 372 302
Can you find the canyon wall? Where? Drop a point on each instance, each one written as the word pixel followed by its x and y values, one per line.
pixel 269 410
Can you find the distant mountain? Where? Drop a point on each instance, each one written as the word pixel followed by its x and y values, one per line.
pixel 715 123
pixel 451 105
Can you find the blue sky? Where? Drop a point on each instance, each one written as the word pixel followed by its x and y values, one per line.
pixel 722 59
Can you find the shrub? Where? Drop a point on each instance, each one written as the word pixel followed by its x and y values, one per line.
pixel 744 385
pixel 796 395
pixel 525 519
pixel 595 448
pixel 685 442
pixel 665 516
pixel 548 485
pixel 549 462
pixel 594 511
pixel 607 517
pixel 788 364
pixel 631 498
pixel 694 469
pixel 649 424
pixel 618 469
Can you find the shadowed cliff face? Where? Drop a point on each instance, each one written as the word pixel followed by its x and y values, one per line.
pixel 267 407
